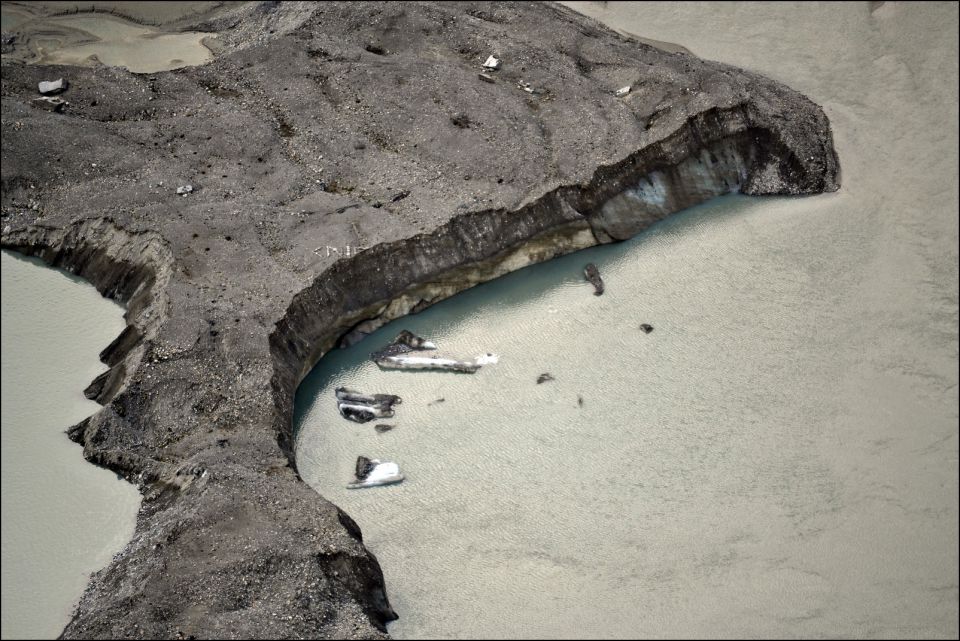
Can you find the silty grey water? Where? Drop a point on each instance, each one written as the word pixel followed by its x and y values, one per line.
pixel 777 458
pixel 63 518
pixel 89 38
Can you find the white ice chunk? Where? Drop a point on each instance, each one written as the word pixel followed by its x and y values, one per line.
pixel 492 63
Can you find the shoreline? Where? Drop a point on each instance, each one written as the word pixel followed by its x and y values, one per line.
pixel 63 519
pixel 196 370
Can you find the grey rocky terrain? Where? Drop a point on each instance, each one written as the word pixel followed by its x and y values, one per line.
pixel 348 166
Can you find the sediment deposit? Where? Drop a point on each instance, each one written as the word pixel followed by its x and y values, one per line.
pixel 343 173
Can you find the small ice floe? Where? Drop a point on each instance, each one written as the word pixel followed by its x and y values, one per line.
pixel 406 361
pixel 399 355
pixel 405 342
pixel 492 63
pixel 52 87
pixel 361 408
pixel 373 472
pixel 184 190
pixel 622 91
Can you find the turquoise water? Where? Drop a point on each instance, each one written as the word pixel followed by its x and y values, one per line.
pixel 777 458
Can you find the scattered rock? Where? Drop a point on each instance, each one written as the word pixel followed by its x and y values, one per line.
pixel 363 467
pixel 52 87
pixel 622 91
pixel 375 49
pixel 361 408
pixel 405 342
pixel 184 190
pixel 545 377
pixel 646 329
pixel 461 120
pixel 486 77
pixel 526 86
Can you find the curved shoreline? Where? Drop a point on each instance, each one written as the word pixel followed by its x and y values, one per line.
pixel 199 396
pixel 62 518
pixel 562 221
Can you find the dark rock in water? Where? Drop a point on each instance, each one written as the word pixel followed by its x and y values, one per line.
pixel 593 275
pixel 405 342
pixel 296 299
pixel 439 400
pixel 411 340
pixel 362 408
pixel 356 414
pixel 383 427
pixel 352 396
pixel 580 401
pixel 646 328
pixel 364 467
pixel 393 349
pixel 543 378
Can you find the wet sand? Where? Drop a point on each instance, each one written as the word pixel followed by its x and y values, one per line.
pixel 63 518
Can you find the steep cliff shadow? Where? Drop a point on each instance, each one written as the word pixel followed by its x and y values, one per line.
pixel 513 290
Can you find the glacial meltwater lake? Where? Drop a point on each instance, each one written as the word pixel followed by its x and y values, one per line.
pixel 86 38
pixel 778 458
pixel 63 518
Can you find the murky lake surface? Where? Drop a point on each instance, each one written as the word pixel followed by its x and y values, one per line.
pixel 777 458
pixel 85 38
pixel 63 518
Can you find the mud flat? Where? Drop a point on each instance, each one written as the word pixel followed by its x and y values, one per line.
pixel 317 128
